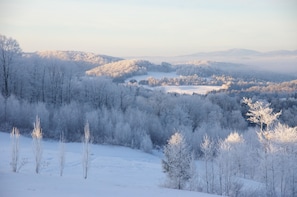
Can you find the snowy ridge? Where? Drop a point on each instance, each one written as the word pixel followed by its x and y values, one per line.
pixel 123 68
pixel 77 56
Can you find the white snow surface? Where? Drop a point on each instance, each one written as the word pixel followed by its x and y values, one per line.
pixel 156 75
pixel 187 89
pixel 203 89
pixel 114 171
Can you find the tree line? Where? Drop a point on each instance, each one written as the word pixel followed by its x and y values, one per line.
pixel 267 155
pixel 65 98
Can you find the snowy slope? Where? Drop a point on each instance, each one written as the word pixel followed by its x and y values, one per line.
pixel 123 68
pixel 114 171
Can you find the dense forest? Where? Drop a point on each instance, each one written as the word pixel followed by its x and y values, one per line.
pixel 64 97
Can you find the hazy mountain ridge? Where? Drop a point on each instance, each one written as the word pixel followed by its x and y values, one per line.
pixel 203 64
pixel 245 52
pixel 214 64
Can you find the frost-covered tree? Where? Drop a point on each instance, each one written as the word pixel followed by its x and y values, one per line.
pixel 279 160
pixel 9 50
pixel 15 135
pixel 208 150
pixel 86 150
pixel 261 113
pixel 146 144
pixel 62 153
pixel 228 162
pixel 194 181
pixel 277 153
pixel 237 152
pixel 177 162
pixel 37 144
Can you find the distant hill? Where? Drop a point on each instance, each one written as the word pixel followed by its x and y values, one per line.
pixel 231 52
pixel 207 68
pixel 127 68
pixel 121 69
pixel 75 56
pixel 281 53
pixel 244 53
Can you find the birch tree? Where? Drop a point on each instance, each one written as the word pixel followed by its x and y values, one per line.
pixel 37 144
pixel 228 164
pixel 62 153
pixel 86 150
pixel 208 150
pixel 15 135
pixel 279 161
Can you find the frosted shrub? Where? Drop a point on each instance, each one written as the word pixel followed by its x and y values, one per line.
pixel 146 144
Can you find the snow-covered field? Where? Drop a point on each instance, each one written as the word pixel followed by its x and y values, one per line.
pixel 156 75
pixel 203 89
pixel 114 171
pixel 189 89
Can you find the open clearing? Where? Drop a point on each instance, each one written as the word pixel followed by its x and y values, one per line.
pixel 114 171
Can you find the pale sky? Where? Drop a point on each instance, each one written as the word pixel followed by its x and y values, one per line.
pixel 150 27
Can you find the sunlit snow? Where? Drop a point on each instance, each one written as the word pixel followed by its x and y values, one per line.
pixel 187 89
pixel 114 171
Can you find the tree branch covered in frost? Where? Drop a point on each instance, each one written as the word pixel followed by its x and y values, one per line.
pixel 261 113
pixel 277 152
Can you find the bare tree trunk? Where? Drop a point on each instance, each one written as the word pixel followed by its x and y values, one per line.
pixel 15 134
pixel 86 150
pixel 62 153
pixel 37 143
